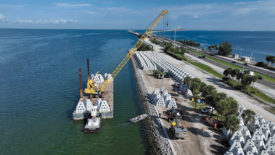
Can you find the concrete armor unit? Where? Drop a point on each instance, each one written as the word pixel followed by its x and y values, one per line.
pixel 89 104
pixel 171 104
pixel 250 147
pixel 80 107
pixel 236 148
pixel 104 107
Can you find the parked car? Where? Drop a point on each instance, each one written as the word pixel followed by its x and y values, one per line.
pixel 260 77
pixel 233 62
pixel 207 110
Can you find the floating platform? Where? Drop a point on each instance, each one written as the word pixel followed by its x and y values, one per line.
pixel 108 96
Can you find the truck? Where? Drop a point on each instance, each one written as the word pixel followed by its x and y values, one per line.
pixel 178 129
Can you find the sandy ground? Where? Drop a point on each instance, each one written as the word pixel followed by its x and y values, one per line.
pixel 267 90
pixel 200 138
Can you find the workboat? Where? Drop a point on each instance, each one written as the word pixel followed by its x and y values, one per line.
pixel 138 118
pixel 93 123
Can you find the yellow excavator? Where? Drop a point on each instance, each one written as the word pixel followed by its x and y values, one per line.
pixel 98 89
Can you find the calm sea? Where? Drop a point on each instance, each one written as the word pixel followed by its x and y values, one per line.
pixel 257 44
pixel 40 88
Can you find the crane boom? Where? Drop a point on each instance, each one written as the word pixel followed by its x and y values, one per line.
pixel 132 51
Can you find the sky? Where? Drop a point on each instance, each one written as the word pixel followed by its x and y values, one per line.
pixel 251 15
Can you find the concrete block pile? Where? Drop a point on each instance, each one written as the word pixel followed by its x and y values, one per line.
pixel 163 99
pixel 85 106
pixel 150 60
pixel 256 137
pixel 144 62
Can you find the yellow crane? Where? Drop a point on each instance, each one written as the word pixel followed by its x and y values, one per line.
pixel 98 90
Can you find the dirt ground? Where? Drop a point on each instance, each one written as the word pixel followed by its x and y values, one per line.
pixel 200 139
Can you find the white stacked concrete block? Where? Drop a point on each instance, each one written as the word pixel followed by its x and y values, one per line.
pixel 236 148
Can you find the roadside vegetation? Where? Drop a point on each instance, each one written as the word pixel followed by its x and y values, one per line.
pixel 177 53
pixel 156 42
pixel 190 43
pixel 158 74
pixel 269 65
pixel 226 107
pixel 244 82
pixel 225 48
pixel 145 47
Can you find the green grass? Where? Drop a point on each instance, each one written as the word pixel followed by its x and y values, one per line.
pixel 268 78
pixel 197 105
pixel 205 68
pixel 250 90
pixel 270 109
pixel 177 56
pixel 260 94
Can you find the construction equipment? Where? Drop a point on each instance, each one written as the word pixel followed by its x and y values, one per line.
pixel 179 131
pixel 99 89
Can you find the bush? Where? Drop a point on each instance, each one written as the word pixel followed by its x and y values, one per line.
pixel 225 48
pixel 190 43
pixel 263 65
pixel 145 47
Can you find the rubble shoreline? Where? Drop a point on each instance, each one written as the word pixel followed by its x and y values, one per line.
pixel 159 143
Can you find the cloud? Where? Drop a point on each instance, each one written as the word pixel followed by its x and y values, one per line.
pixel 39 21
pixel 3 18
pixel 72 5
pixel 243 8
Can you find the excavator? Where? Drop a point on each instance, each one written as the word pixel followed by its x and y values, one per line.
pixel 96 89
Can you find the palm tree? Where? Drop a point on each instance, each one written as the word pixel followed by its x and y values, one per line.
pixel 209 89
pixel 232 122
pixel 222 107
pixel 268 58
pixel 196 93
pixel 248 115
pixel 239 76
pixel 254 79
pixel 234 72
pixel 272 60
pixel 187 80
pixel 203 87
pixel 232 106
pixel 210 100
pixel 195 84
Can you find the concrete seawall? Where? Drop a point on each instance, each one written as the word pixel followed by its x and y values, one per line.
pixel 159 135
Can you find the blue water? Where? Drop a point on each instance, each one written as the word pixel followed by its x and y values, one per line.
pixel 259 44
pixel 40 88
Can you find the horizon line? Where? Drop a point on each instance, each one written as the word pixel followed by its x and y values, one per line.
pixel 130 29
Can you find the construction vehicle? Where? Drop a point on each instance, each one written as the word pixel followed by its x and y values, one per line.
pixel 172 114
pixel 178 129
pixel 94 88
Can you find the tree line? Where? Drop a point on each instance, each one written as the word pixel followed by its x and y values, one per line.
pixel 226 107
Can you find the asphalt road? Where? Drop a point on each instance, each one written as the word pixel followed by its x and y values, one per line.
pixel 264 82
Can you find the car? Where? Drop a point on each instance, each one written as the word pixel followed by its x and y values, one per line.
pixel 260 77
pixel 233 62
pixel 207 110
